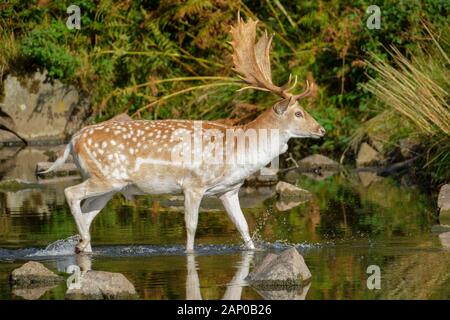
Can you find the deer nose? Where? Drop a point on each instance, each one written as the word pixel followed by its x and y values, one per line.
pixel 322 131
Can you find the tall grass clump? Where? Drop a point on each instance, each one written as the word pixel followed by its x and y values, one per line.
pixel 417 89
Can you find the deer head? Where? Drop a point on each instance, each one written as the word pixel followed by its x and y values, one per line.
pixel 252 62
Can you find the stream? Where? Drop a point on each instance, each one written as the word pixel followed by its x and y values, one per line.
pixel 347 226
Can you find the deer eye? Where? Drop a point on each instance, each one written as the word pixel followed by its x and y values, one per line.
pixel 298 114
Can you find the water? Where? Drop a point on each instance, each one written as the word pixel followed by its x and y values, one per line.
pixel 346 227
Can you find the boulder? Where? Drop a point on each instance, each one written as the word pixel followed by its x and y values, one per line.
pixel 34 273
pixel 368 156
pixel 41 111
pixel 445 239
pixel 287 191
pixel 318 162
pixel 96 285
pixel 286 270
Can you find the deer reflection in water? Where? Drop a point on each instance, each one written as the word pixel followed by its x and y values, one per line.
pixel 234 287
pixel 238 282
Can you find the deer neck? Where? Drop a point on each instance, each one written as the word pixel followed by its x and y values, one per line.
pixel 268 124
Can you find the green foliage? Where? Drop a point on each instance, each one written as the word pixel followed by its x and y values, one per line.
pixel 42 46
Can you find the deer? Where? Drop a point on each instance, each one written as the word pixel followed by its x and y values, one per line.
pixel 135 157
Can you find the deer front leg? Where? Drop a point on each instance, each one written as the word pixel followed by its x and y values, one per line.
pixel 230 201
pixel 192 199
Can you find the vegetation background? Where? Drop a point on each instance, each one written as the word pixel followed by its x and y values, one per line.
pixel 171 59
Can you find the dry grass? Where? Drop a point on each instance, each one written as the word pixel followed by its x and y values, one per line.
pixel 417 88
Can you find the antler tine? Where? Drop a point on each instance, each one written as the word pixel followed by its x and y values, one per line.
pixel 288 86
pixel 306 93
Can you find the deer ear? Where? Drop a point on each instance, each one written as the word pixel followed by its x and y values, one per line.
pixel 281 107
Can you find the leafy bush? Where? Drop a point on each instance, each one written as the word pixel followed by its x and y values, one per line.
pixel 43 47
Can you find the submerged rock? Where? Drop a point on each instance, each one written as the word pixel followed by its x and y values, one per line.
pixel 288 191
pixel 286 270
pixel 96 285
pixel 34 273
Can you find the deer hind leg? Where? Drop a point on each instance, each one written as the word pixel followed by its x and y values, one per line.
pixel 192 199
pixel 230 201
pixel 74 196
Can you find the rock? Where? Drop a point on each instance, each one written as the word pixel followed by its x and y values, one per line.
pixel 34 273
pixel 318 162
pixel 409 147
pixel 40 111
pixel 444 201
pixel 368 156
pixel 97 285
pixel 445 239
pixel 33 293
pixel 286 270
pixel 287 191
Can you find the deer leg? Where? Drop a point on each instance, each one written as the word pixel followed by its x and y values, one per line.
pixel 91 208
pixel 74 196
pixel 192 199
pixel 230 201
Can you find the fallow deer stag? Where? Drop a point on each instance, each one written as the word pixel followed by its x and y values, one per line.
pixel 137 157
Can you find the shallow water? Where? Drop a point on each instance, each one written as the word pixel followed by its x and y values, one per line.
pixel 345 228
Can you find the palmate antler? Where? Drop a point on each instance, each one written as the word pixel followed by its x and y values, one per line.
pixel 252 61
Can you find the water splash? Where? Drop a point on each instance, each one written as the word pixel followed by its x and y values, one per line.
pixel 58 248
pixel 64 248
